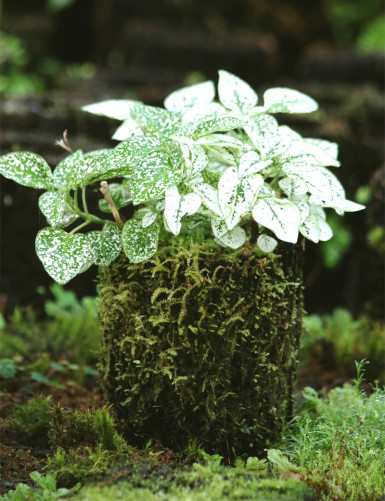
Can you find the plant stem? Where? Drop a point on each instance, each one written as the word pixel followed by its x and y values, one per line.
pixel 107 195
pixel 79 227
pixel 84 201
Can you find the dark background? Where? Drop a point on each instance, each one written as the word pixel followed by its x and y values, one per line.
pixel 59 55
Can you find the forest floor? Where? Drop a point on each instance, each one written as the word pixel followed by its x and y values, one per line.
pixel 58 436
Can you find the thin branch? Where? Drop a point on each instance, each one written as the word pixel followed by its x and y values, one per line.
pixel 63 143
pixel 107 195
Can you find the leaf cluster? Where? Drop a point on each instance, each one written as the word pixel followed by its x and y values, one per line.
pixel 197 160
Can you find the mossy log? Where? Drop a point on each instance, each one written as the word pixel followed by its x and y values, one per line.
pixel 201 344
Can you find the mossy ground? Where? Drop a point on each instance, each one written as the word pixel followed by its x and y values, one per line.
pixel 53 422
pixel 201 344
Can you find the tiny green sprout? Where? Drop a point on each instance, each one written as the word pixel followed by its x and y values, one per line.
pixel 198 160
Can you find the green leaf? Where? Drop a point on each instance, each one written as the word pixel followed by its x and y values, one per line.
pixel 279 215
pixel 63 255
pixel 27 169
pixel 106 244
pixel 283 100
pixel 54 205
pixel 278 459
pixel 234 93
pixel 120 109
pixel 255 464
pixel 8 368
pixel 151 179
pixel 190 96
pixel 139 243
pixel 120 194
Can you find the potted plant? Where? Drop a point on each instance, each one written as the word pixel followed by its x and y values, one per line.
pixel 200 288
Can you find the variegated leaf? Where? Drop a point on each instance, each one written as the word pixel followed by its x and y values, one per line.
pixel 195 156
pixel 201 112
pixel 209 126
pixel 327 146
pixel 293 187
pixel 222 140
pixel 222 155
pixel 190 96
pixel 310 228
pixel 120 109
pixel 177 206
pixel 286 131
pixel 106 244
pixel 63 255
pixel 234 238
pixel 320 182
pixel 304 152
pixel 250 163
pixel 54 205
pixel 279 215
pixel 120 194
pixel 266 243
pixel 226 190
pixel 27 169
pixel 151 179
pixel 343 205
pixel 139 244
pixel 283 100
pixel 155 120
pixel 129 128
pixel 209 196
pixel 234 93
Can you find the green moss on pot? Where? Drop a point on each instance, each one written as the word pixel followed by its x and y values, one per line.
pixel 201 343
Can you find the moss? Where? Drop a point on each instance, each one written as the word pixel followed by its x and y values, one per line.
pixel 200 483
pixel 201 343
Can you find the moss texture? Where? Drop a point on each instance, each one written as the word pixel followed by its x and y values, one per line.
pixel 200 343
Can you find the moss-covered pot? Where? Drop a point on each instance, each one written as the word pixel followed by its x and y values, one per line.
pixel 201 343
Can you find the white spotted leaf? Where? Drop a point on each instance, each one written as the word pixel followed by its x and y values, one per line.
pixel 139 244
pixel 190 96
pixel 152 178
pixel 266 243
pixel 27 169
pixel 234 93
pixel 106 244
pixel 283 100
pixel 63 255
pixel 234 238
pixel 120 109
pixel 53 204
pixel 280 216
